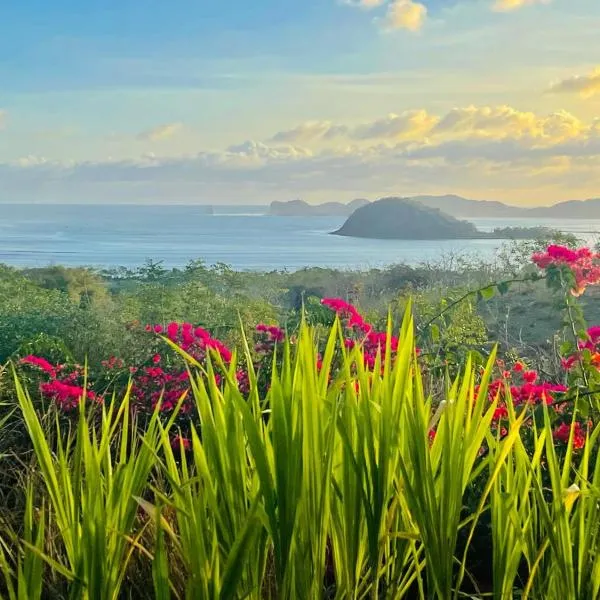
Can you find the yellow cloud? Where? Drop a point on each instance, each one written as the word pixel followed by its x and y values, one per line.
pixel 503 122
pixel 464 123
pixel 584 85
pixel 508 5
pixel 305 132
pixel 411 124
pixel 406 14
pixel 160 133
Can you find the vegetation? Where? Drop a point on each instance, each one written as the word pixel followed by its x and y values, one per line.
pixel 162 437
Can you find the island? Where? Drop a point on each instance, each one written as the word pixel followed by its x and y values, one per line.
pixel 300 208
pixel 408 219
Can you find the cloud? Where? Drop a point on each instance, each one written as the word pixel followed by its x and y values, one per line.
pixel 507 122
pixel 306 132
pixel 366 4
pixel 585 86
pixel 509 5
pixel 474 150
pixel 407 125
pixel 257 151
pixel 160 133
pixel 406 14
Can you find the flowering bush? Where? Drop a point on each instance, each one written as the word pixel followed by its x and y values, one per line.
pixel 164 378
pixel 576 269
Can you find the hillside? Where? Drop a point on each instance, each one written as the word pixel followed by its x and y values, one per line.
pixel 300 208
pixel 460 207
pixel 572 209
pixel 451 204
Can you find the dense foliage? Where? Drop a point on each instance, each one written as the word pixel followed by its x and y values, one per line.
pixel 201 434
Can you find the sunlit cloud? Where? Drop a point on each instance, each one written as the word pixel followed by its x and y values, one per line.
pixel 406 14
pixel 305 132
pixel 467 150
pixel 160 133
pixel 585 86
pixel 510 5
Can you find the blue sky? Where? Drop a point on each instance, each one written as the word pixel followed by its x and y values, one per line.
pixel 199 100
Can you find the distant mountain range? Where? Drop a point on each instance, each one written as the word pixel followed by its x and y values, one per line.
pixel 299 208
pixel 453 205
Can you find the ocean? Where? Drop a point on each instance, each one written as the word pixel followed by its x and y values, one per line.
pixel 243 237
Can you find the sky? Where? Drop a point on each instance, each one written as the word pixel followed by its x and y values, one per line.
pixel 239 102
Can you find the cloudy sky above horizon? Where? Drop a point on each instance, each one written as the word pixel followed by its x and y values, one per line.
pixel 248 102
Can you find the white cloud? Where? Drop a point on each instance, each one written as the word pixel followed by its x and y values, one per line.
pixel 472 150
pixel 160 133
pixel 509 5
pixel 585 86
pixel 406 14
pixel 306 132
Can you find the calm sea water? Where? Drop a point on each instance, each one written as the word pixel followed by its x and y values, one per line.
pixel 39 235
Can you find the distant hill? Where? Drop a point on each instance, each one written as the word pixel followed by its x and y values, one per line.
pixel 455 206
pixel 572 209
pixel 299 208
pixel 409 219
pixel 460 207
pixel 463 208
pixel 405 219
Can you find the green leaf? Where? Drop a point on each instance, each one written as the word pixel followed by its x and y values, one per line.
pixel 503 287
pixel 488 293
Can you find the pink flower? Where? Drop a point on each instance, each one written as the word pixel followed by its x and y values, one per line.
pixel 172 331
pixel 65 395
pixel 40 363
pixel 156 359
pixel 563 432
pixel 158 329
pixel 583 263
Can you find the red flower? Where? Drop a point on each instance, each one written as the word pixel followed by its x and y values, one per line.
pixel 40 363
pixel 156 359
pixel 179 442
pixel 563 432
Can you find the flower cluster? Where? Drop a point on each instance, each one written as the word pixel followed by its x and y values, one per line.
pixel 361 333
pixel 40 363
pixel 63 387
pixel 588 351
pixel 583 264
pixel 524 387
pixel 268 336
pixel 520 387
pixel 563 432
pixel 348 314
pixel 195 341
pixel 66 396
